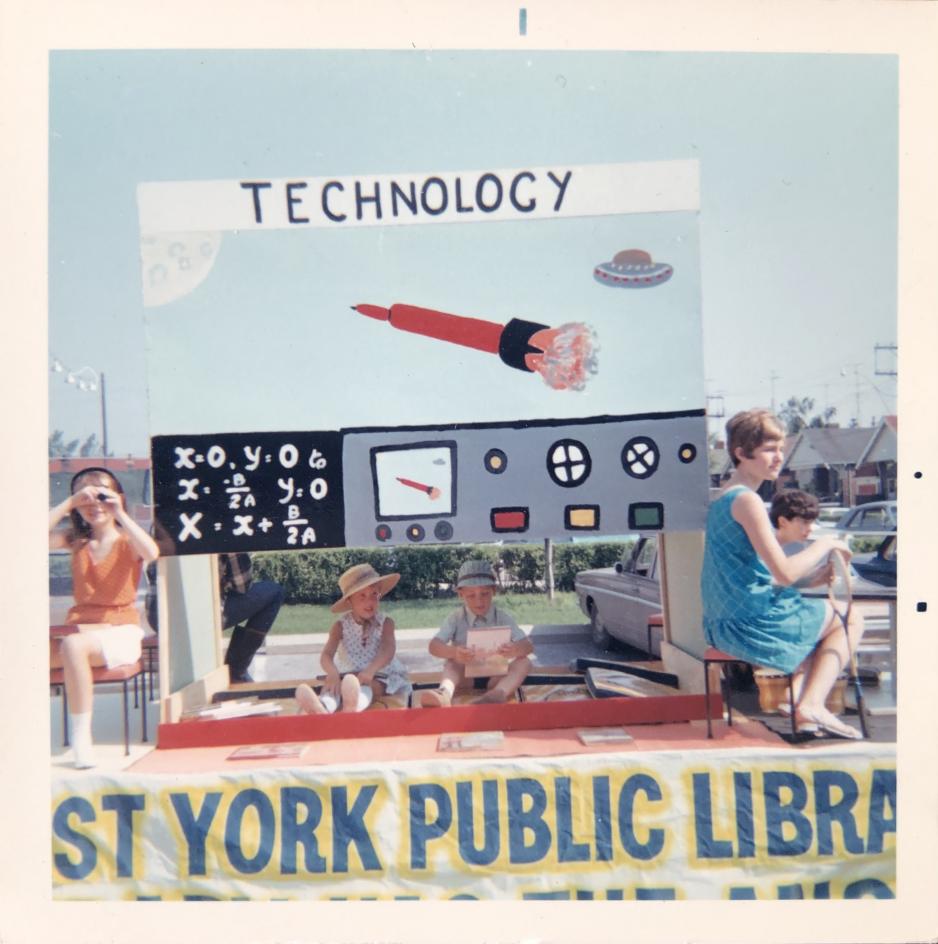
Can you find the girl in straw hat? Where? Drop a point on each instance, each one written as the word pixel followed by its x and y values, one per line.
pixel 359 657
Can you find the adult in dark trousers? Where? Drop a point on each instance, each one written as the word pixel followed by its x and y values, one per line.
pixel 251 606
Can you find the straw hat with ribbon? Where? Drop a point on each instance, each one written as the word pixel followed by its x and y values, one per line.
pixel 358 578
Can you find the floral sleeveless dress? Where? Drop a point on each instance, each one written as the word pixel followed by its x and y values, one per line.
pixel 359 645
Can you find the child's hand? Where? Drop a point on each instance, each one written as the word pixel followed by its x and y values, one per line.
pixel 464 655
pixel 365 677
pixel 838 545
pixel 85 496
pixel 332 684
pixel 108 497
pixel 509 650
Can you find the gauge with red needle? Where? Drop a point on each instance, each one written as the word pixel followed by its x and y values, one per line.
pixel 431 490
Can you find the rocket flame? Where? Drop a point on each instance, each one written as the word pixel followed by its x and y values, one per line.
pixel 568 355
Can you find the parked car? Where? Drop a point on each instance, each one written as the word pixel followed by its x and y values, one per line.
pixel 880 566
pixel 618 600
pixel 829 515
pixel 873 516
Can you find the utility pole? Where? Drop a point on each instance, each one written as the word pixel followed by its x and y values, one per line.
pixel 883 347
pixel 103 417
pixel 772 378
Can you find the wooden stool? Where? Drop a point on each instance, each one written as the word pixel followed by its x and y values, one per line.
pixel 101 676
pixel 713 656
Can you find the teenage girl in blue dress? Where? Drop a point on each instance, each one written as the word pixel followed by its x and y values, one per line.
pixel 750 608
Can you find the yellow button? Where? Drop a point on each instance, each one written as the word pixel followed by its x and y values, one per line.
pixel 582 518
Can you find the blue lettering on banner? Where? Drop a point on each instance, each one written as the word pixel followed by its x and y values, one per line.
pixel 882 794
pixel 491 829
pixel 602 819
pixel 125 805
pixel 531 820
pixel 300 831
pixel 745 824
pixel 348 827
pixel 708 847
pixel 546 827
pixel 87 851
pixel 260 803
pixel 638 783
pixel 828 812
pixel 779 814
pixel 868 888
pixel 195 828
pixel 422 829
pixel 568 850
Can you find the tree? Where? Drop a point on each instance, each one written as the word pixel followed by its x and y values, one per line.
pixel 796 415
pixel 90 447
pixel 58 447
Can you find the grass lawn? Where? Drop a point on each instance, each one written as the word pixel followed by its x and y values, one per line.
pixel 417 614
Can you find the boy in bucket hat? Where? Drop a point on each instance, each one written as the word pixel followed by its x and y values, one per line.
pixel 359 656
pixel 476 585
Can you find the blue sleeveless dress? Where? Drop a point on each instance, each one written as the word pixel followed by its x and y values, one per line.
pixel 744 613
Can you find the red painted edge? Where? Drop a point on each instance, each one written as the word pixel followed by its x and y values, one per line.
pixel 401 722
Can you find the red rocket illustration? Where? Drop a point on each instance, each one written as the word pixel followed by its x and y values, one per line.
pixel 565 357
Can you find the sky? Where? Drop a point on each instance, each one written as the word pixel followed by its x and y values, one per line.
pixel 796 229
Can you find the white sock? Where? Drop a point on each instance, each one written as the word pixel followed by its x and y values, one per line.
pixel 81 739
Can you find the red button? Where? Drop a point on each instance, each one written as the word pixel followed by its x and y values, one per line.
pixel 509 519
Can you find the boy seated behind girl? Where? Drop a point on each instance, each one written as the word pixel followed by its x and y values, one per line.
pixel 476 586
pixel 793 514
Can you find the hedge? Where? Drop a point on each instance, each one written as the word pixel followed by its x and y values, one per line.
pixel 427 572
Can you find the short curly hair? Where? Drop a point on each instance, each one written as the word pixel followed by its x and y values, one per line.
pixel 749 430
pixel 793 503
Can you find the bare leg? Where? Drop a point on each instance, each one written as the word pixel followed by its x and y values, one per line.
pixel 830 658
pixel 77 654
pixel 452 676
pixel 350 689
pixel 308 701
pixel 505 687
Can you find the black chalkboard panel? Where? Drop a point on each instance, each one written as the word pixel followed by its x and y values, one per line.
pixel 248 492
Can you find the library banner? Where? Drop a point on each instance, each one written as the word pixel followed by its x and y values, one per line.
pixel 623 826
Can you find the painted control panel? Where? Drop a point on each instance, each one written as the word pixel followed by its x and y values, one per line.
pixel 479 483
pixel 429 485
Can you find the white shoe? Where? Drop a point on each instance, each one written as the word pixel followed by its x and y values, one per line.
pixel 84 758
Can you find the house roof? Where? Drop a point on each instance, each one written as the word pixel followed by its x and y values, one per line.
pixel 828 446
pixel 883 444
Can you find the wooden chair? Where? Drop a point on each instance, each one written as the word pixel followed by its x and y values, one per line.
pixel 101 676
pixel 713 656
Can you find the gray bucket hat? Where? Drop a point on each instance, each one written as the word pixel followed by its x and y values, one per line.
pixel 475 573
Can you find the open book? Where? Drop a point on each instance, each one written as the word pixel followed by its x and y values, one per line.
pixel 486 640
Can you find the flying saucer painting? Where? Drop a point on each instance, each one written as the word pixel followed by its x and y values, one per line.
pixel 632 268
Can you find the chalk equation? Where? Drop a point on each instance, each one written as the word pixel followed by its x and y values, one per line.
pixel 248 491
